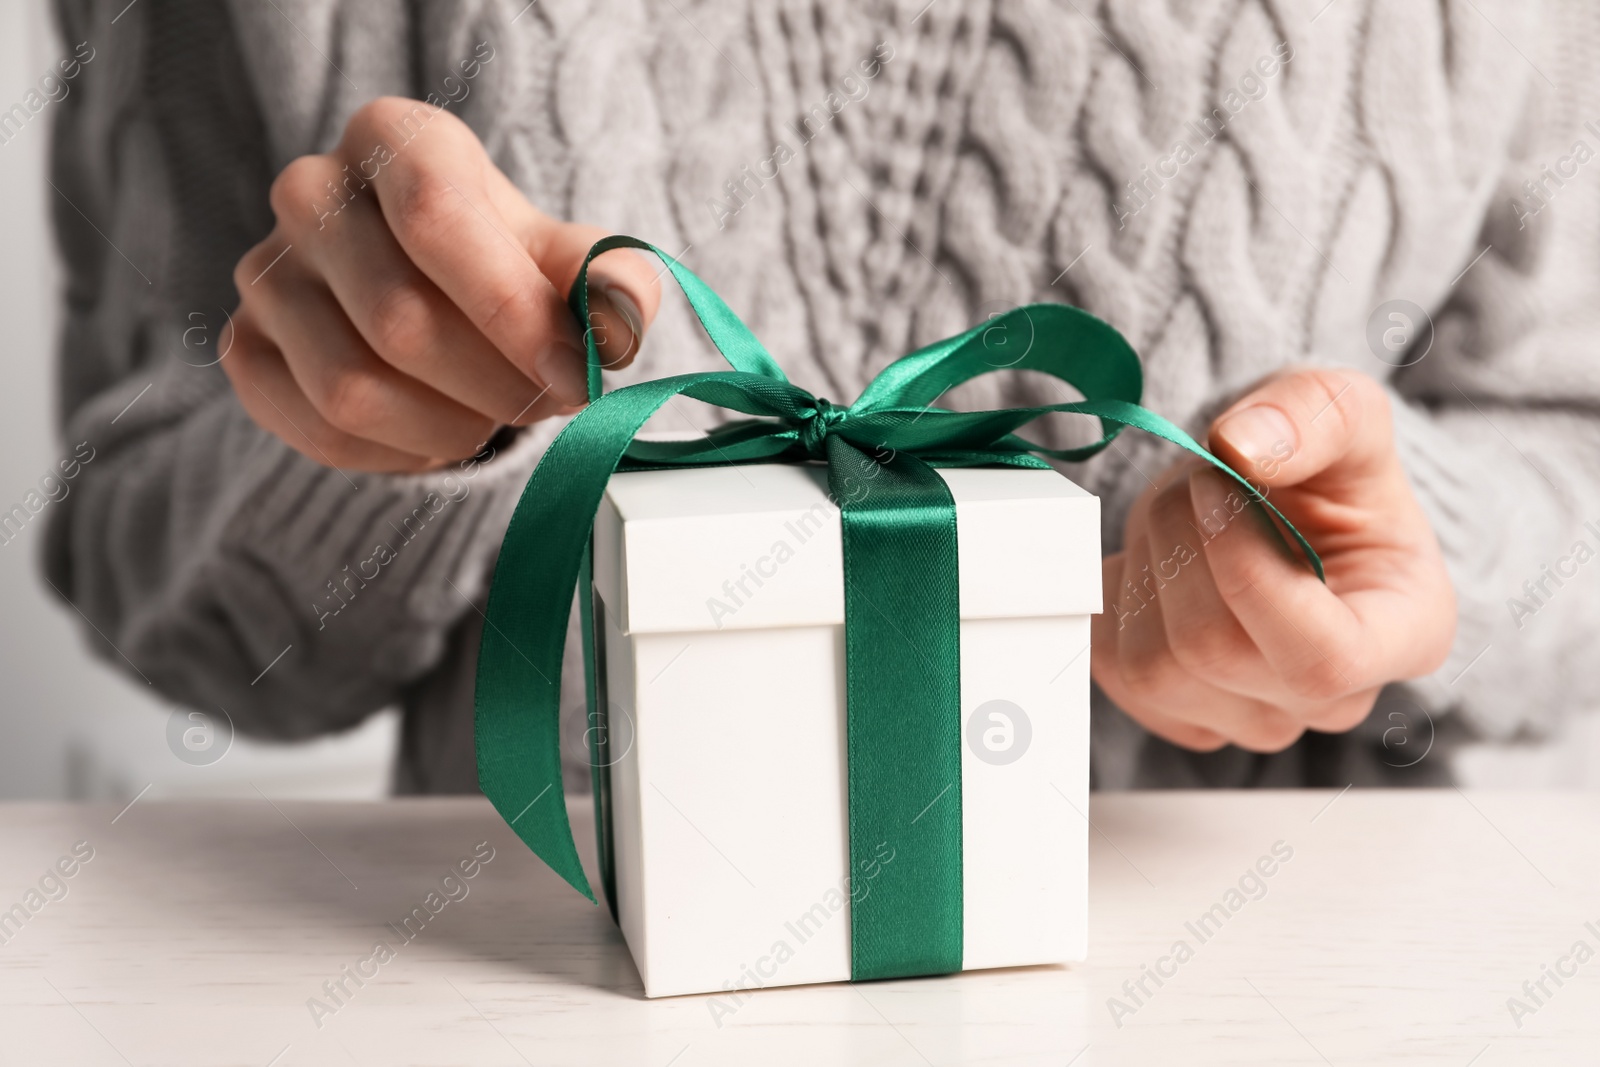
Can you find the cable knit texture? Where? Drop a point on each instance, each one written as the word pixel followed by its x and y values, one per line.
pixel 1000 152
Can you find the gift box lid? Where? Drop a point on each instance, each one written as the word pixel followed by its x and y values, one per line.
pixel 748 547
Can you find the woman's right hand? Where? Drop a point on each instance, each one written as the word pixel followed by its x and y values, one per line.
pixel 410 300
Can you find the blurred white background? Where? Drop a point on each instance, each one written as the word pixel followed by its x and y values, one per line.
pixel 70 726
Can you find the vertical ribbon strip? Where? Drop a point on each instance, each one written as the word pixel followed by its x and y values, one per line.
pixel 902 662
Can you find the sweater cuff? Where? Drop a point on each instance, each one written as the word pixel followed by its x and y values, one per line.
pixel 1497 519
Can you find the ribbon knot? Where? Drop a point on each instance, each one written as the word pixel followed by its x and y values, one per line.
pixel 820 421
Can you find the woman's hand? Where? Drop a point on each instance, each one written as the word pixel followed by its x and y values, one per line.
pixel 1214 632
pixel 411 300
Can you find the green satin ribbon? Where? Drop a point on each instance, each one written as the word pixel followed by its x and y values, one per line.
pixel 902 619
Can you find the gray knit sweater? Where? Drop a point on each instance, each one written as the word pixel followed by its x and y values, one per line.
pixel 997 152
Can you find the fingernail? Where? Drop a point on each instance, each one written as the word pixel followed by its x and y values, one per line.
pixel 626 307
pixel 614 298
pixel 564 369
pixel 1259 433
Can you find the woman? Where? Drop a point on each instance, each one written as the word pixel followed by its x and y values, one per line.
pixel 304 309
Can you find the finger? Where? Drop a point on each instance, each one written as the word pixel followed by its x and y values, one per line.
pixel 1144 660
pixel 434 193
pixel 407 320
pixel 1153 681
pixel 1107 673
pixel 1205 637
pixel 1308 423
pixel 1308 635
pixel 1249 725
pixel 1200 629
pixel 1183 734
pixel 269 395
pixel 624 286
pixel 1142 651
pixel 1343 714
pixel 348 385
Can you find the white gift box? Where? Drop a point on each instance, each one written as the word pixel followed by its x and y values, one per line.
pixel 723 604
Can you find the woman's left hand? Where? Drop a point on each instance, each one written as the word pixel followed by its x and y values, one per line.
pixel 1215 632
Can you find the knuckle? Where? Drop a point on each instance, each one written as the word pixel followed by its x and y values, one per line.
pixel 375 116
pixel 402 322
pixel 427 207
pixel 1203 647
pixel 256 285
pixel 1241 574
pixel 350 401
pixel 1272 731
pixel 1324 677
pixel 1337 402
pixel 299 185
pixel 503 301
pixel 1346 714
pixel 1173 506
pixel 327 447
pixel 240 368
pixel 1202 740
pixel 1148 670
pixel 392 116
pixel 1322 390
pixel 239 334
pixel 244 272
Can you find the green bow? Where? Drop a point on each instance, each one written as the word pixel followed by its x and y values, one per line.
pixel 902 620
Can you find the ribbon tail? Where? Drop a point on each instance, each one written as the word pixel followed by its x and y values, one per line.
pixel 1140 418
pixel 542 558
pixel 518 695
pixel 598 724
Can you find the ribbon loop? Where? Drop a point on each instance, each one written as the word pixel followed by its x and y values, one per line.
pixel 902 623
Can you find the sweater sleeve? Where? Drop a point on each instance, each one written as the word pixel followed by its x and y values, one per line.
pixel 1499 427
pixel 207 558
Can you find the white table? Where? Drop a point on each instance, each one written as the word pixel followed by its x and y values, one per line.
pixel 1395 934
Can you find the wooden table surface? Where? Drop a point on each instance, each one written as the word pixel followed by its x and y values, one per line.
pixel 1399 930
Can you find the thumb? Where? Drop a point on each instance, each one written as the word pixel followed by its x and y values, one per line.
pixel 1332 425
pixel 623 291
